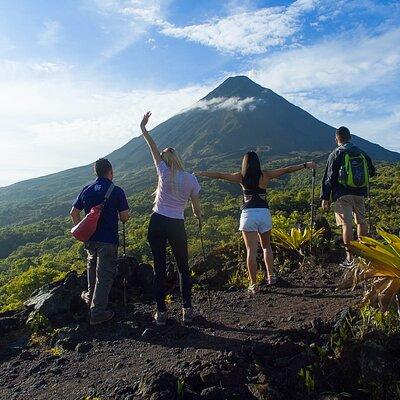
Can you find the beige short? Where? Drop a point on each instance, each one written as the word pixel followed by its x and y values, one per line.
pixel 348 206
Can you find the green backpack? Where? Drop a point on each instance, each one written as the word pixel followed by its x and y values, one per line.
pixel 354 171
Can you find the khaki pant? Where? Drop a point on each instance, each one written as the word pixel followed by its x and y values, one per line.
pixel 349 206
pixel 101 270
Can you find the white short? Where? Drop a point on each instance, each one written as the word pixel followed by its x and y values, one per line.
pixel 255 220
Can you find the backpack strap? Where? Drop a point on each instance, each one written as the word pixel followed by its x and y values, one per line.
pixel 108 193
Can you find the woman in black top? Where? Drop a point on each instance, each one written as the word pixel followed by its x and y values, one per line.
pixel 255 220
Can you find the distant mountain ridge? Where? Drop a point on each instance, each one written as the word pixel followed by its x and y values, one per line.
pixel 236 116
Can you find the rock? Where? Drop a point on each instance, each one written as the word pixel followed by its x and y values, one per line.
pixel 373 360
pixel 216 393
pixel 289 349
pixel 158 383
pixel 84 347
pixel 264 392
pixel 11 323
pixel 67 337
pixel 26 355
pixel 210 377
pixel 56 298
pixel 145 279
pixel 282 362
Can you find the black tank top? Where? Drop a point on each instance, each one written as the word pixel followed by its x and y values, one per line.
pixel 254 198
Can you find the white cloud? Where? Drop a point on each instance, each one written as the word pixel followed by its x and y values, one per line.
pixel 349 80
pixel 50 34
pixel 249 32
pixel 347 63
pixel 51 119
pixel 128 20
pixel 225 103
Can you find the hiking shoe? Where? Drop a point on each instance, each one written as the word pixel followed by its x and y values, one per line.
pixel 85 296
pixel 271 280
pixel 103 317
pixel 253 288
pixel 160 318
pixel 188 315
pixel 347 264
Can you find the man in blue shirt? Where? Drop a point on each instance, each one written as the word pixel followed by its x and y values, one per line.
pixel 349 201
pixel 102 248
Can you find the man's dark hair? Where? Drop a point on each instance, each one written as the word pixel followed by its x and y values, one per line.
pixel 102 167
pixel 343 134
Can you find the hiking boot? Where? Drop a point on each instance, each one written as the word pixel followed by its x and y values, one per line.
pixel 347 264
pixel 253 288
pixel 188 315
pixel 160 318
pixel 103 317
pixel 85 296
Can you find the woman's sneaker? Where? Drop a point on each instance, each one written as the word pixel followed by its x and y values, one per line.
pixel 347 264
pixel 188 315
pixel 271 280
pixel 160 318
pixel 253 288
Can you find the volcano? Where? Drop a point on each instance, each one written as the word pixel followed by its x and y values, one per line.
pixel 239 115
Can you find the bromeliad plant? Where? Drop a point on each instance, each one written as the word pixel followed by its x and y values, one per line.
pixel 379 264
pixel 295 240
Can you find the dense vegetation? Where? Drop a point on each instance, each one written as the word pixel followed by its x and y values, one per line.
pixel 37 253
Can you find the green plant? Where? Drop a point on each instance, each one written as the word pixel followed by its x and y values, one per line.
pixel 56 351
pixel 37 322
pixel 169 298
pixel 307 378
pixel 379 264
pixel 180 389
pixel 294 240
pixel 238 279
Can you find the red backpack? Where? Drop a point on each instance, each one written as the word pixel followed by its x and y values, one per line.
pixel 87 227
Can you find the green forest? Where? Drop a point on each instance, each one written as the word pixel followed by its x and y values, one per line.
pixel 33 254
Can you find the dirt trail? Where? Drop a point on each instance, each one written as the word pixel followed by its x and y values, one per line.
pixel 120 353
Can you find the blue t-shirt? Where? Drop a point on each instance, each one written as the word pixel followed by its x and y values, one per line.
pixel 93 195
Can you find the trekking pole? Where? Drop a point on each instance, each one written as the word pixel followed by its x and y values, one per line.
pixel 124 282
pixel 369 210
pixel 206 272
pixel 312 211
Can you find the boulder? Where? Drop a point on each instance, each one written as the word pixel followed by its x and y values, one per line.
pixel 11 321
pixel 158 385
pixel 57 298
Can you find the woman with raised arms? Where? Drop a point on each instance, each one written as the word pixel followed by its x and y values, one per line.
pixel 255 219
pixel 175 188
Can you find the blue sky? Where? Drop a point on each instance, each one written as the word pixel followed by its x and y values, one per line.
pixel 78 74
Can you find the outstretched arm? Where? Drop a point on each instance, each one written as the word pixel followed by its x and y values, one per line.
pixel 276 173
pixel 149 140
pixel 235 177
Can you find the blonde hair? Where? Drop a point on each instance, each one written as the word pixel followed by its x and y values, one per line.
pixel 174 163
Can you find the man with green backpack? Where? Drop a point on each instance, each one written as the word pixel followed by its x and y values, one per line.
pixel 346 184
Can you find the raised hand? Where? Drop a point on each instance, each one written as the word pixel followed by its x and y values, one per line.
pixel 145 119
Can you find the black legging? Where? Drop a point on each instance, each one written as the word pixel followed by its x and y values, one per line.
pixel 161 229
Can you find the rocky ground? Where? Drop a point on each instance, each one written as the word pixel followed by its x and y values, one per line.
pixel 243 348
